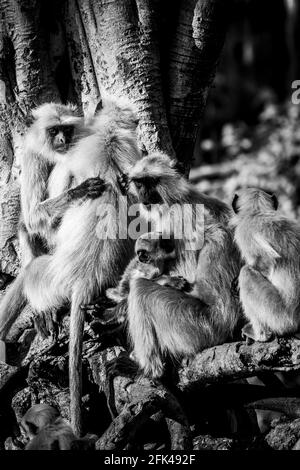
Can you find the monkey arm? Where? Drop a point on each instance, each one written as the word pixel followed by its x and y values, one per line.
pixel 34 177
pixel 91 188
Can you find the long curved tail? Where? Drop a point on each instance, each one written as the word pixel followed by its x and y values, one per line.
pixel 12 305
pixel 75 363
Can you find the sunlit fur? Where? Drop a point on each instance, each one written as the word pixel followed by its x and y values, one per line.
pixel 82 265
pixel 164 321
pixel 270 246
pixel 47 430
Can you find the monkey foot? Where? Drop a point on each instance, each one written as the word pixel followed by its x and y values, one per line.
pixel 46 325
pixel 121 366
pixel 98 308
pixel 250 335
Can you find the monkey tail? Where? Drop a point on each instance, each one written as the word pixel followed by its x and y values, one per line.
pixel 75 364
pixel 12 305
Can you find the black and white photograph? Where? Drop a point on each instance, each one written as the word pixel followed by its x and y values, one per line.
pixel 149 228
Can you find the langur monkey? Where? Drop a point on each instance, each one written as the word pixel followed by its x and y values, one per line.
pixel 155 254
pixel 86 260
pixel 47 430
pixel 164 321
pixel 269 282
pixel 55 130
pixel 45 193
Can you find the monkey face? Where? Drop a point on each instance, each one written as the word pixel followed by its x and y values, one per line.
pixel 60 137
pixel 152 248
pixel 156 180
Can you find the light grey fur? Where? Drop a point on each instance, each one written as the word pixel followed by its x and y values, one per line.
pixel 164 321
pixel 82 264
pixel 269 282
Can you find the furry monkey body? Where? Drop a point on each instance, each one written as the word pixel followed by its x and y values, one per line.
pixel 47 144
pixel 164 321
pixel 269 282
pixel 85 261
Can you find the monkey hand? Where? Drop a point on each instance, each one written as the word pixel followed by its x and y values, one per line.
pixel 91 188
pixel 250 334
pixel 123 183
pixel 97 308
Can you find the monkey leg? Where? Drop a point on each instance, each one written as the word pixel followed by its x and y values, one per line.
pixel 12 305
pixel 82 291
pixel 264 306
pixel 46 295
pixel 31 245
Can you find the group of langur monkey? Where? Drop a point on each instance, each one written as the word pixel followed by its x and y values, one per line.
pixel 179 301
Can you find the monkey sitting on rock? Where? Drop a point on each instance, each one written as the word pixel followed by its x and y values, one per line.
pixel 269 282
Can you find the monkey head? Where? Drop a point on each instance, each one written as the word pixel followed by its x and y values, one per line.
pixel 36 418
pixel 156 179
pixel 252 200
pixel 154 250
pixel 54 129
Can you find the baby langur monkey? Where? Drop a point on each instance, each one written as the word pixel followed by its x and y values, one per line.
pixel 155 255
pixel 47 430
pixel 269 282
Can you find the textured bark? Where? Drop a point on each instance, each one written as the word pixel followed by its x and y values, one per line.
pixel 237 360
pixel 122 38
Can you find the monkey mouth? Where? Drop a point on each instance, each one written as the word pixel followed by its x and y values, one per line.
pixel 62 148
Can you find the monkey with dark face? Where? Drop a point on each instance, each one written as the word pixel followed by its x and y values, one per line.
pixel 269 282
pixel 164 321
pixel 47 430
pixel 155 255
pixel 84 261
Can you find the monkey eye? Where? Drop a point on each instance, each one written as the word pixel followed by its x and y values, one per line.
pixel 143 256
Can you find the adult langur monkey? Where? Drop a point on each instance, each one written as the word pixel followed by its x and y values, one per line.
pixel 45 191
pixel 166 322
pixel 85 261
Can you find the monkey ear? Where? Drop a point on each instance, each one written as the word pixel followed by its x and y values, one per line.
pixel 29 119
pixel 234 204
pixel 275 201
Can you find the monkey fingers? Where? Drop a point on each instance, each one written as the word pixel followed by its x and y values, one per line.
pixel 235 289
pixel 46 325
pixel 121 366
